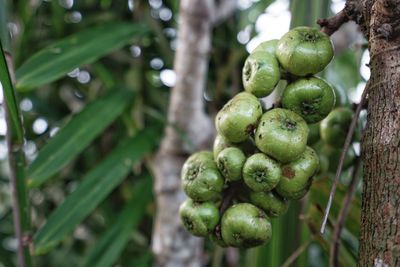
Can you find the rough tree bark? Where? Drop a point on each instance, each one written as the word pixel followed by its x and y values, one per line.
pixel 380 221
pixel 379 21
pixel 172 245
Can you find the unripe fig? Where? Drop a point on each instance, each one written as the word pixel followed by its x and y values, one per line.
pixel 333 156
pixel 297 176
pixel 230 162
pixel 334 127
pixel 261 173
pixel 237 120
pixel 260 73
pixel 270 202
pixel 313 134
pixel 282 134
pixel 201 178
pixel 244 225
pixel 199 219
pixel 323 163
pixel 220 143
pixel 267 46
pixel 312 98
pixel 304 51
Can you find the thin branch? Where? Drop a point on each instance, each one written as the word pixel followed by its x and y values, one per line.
pixel 332 24
pixel 292 258
pixel 334 255
pixel 343 155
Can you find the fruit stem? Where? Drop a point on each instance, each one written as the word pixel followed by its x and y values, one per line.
pixel 228 196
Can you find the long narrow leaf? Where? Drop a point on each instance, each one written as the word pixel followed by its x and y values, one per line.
pixel 78 49
pixel 110 246
pixel 16 160
pixel 76 135
pixel 319 195
pixel 94 188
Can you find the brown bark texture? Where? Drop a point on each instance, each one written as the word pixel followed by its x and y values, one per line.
pixel 189 130
pixel 380 222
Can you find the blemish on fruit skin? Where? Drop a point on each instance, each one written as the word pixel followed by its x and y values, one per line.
pixel 288 172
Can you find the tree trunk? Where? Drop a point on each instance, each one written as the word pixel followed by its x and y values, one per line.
pixel 380 220
pixel 190 130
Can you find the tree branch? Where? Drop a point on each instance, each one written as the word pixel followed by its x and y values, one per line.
pixel 334 254
pixel 332 24
pixel 351 11
pixel 171 244
pixel 343 155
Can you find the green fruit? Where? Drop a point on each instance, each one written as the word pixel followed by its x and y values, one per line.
pixel 334 128
pixel 199 219
pixel 201 179
pixel 297 176
pixel 304 51
pixel 282 134
pixel 220 143
pixel 323 163
pixel 313 134
pixel 230 162
pixel 312 98
pixel 260 73
pixel 237 120
pixel 333 156
pixel 273 204
pixel 267 46
pixel 244 225
pixel 261 173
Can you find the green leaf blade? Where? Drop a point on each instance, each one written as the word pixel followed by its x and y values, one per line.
pixel 76 135
pixel 93 189
pixel 71 52
pixel 109 247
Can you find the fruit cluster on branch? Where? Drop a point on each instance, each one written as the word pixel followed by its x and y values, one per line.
pixel 262 159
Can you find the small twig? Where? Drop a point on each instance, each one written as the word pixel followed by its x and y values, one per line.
pixel 334 255
pixel 343 155
pixel 292 258
pixel 332 24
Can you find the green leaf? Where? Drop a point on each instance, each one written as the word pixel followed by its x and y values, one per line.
pixel 319 195
pixel 93 189
pixel 16 133
pixel 109 247
pixel 78 49
pixel 76 135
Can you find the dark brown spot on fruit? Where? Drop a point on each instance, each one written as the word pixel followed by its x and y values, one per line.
pixel 288 172
pixel 250 128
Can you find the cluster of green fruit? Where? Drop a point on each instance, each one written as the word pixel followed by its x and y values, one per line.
pixel 261 156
